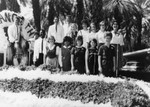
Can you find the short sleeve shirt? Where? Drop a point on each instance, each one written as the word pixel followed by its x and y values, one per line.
pixel 107 54
pixel 79 54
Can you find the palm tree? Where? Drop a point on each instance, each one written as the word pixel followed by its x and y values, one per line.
pixel 125 11
pixel 2 5
pixel 9 5
pixel 93 10
pixel 13 6
pixel 51 8
pixel 79 13
pixel 144 5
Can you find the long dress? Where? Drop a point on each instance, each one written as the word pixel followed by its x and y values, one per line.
pixel 79 59
pixel 66 58
pixel 93 60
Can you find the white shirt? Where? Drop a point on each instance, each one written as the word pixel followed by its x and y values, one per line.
pixel 38 48
pixel 13 33
pixel 85 35
pixel 117 39
pixel 58 35
pixel 100 36
pixel 67 28
pixel 92 35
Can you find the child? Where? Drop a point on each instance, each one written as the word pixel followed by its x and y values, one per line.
pixel 106 58
pixel 52 52
pixel 78 56
pixel 92 58
pixel 66 54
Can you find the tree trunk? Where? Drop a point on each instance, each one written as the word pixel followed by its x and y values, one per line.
pixel 51 12
pixel 139 24
pixel 36 14
pixel 80 15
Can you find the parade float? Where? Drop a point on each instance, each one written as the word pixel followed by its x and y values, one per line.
pixel 43 87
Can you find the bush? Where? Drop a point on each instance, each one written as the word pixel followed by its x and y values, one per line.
pixel 120 94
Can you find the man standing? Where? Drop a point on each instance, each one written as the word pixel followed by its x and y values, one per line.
pixel 67 25
pixel 57 31
pixel 17 42
pixel 106 58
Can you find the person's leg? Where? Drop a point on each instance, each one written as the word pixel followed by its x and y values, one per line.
pixel 24 60
pixel 47 60
pixel 15 61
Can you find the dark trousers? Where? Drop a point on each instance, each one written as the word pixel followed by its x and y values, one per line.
pixel 58 44
pixel 108 72
pixel 40 60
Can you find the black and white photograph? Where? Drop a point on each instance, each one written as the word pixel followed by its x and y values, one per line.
pixel 74 53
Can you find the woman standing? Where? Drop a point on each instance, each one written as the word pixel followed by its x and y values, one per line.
pixel 38 48
pixel 66 54
pixel 84 33
pixel 92 58
pixel 93 32
pixel 73 33
pixel 117 37
pixel 78 56
pixel 52 52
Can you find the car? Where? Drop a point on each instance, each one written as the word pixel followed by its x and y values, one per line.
pixel 134 66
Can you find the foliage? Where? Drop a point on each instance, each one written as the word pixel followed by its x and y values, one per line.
pixel 93 10
pixel 128 13
pixel 9 5
pixel 79 12
pixel 2 5
pixel 120 94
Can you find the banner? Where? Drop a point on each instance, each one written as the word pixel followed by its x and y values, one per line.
pixel 7 18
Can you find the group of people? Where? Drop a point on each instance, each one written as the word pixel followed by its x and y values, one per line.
pixel 66 48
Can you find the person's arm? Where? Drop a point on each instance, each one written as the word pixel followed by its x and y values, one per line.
pixel 99 60
pixel 60 57
pixel 49 32
pixel 99 64
pixel 62 34
pixel 114 60
pixel 72 59
pixel 79 33
pixel 121 40
pixel 10 35
pixel 44 51
pixel 114 68
pixel 86 62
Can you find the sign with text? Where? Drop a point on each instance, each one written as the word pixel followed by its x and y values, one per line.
pixel 7 18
